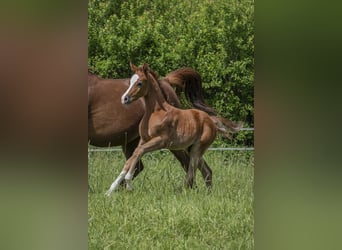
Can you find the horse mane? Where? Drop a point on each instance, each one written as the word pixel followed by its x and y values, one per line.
pixel 189 80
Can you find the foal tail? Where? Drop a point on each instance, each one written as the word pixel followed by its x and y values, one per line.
pixel 226 127
pixel 190 81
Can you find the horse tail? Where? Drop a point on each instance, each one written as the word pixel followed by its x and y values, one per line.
pixel 189 81
pixel 225 126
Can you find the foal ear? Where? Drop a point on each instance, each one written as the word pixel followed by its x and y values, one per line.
pixel 145 68
pixel 133 67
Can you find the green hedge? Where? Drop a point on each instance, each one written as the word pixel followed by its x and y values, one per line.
pixel 213 37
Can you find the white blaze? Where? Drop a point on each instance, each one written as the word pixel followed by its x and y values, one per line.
pixel 134 78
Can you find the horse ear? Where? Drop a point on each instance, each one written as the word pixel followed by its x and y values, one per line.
pixel 133 67
pixel 145 68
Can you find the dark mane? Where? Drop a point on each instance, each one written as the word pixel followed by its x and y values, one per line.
pixel 154 74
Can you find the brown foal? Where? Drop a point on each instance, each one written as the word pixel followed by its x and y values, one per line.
pixel 164 126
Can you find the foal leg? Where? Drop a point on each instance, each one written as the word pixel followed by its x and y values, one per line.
pixel 128 151
pixel 206 172
pixel 208 136
pixel 190 177
pixel 128 169
pixel 183 157
pixel 152 145
pixel 194 158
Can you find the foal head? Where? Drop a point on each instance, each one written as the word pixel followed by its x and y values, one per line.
pixel 138 84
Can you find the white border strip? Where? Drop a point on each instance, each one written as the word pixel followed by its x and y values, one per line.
pixel 210 149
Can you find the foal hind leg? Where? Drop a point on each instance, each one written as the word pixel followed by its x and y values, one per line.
pixel 208 136
pixel 206 172
pixel 183 157
pixel 190 178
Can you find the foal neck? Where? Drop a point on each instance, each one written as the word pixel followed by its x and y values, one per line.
pixel 154 98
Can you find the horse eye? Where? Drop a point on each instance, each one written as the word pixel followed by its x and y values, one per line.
pixel 139 84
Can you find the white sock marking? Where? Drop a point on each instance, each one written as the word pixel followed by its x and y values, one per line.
pixel 116 183
pixel 128 179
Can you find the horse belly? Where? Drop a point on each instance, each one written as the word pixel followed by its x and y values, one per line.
pixel 113 124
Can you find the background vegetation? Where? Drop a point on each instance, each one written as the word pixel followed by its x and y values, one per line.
pixel 213 37
pixel 160 215
pixel 216 39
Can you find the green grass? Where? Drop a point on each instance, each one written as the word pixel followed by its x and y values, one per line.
pixel 159 214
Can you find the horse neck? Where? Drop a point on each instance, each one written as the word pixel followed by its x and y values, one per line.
pixel 154 98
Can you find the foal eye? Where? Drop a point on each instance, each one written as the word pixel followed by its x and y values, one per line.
pixel 139 84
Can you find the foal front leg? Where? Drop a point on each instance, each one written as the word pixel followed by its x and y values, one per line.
pixel 131 161
pixel 152 145
pixel 128 170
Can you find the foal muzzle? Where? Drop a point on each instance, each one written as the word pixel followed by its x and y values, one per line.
pixel 125 99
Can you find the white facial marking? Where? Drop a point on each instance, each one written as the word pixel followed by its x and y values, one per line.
pixel 133 79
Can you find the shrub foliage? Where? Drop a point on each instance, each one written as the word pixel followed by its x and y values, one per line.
pixel 213 37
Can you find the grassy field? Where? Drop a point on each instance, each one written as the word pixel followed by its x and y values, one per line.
pixel 159 214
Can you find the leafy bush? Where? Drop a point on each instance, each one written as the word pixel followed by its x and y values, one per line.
pixel 213 37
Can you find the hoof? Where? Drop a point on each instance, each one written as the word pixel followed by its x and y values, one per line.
pixel 129 185
pixel 108 193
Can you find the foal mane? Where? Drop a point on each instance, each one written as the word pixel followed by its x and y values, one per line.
pixel 154 74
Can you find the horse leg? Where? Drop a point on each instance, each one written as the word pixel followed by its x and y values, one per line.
pixel 183 157
pixel 206 172
pixel 128 151
pixel 152 145
pixel 206 139
pixel 191 173
pixel 128 169
pixel 190 177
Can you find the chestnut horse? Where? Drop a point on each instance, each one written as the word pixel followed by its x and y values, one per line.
pixel 165 126
pixel 112 124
